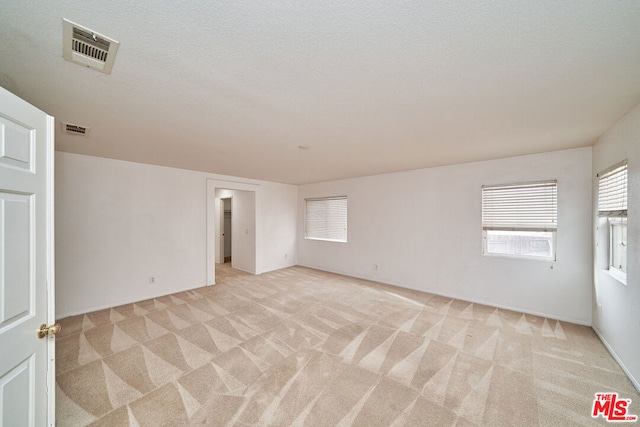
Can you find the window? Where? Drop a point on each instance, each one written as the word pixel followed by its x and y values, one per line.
pixel 326 219
pixel 612 207
pixel 520 219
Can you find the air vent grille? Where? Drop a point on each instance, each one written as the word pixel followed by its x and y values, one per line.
pixel 71 129
pixel 88 48
pixel 91 51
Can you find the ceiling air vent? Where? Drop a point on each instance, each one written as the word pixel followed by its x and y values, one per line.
pixel 71 129
pixel 88 48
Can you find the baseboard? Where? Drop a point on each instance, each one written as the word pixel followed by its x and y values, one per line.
pixel 518 309
pixel 271 268
pixel 85 310
pixel 634 381
pixel 474 301
pixel 245 270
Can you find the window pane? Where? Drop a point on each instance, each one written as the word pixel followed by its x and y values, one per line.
pixel 618 235
pixel 523 243
pixel 520 219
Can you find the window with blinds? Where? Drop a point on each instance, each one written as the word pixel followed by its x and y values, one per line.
pixel 326 219
pixel 520 219
pixel 532 206
pixel 612 191
pixel 612 207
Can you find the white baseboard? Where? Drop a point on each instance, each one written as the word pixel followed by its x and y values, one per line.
pixel 244 270
pixel 581 322
pixel 633 380
pixel 91 309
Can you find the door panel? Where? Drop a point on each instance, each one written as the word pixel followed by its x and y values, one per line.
pixel 26 269
pixel 12 387
pixel 16 145
pixel 16 280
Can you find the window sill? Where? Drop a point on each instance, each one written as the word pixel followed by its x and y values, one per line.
pixel 325 240
pixel 618 275
pixel 513 256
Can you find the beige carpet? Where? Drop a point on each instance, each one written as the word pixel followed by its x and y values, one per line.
pixel 307 348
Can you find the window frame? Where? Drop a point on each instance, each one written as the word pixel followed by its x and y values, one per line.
pixel 613 193
pixel 613 222
pixel 325 238
pixel 542 218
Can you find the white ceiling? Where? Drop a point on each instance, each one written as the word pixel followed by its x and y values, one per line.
pixel 234 87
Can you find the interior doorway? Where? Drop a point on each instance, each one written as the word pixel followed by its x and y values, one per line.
pixel 241 230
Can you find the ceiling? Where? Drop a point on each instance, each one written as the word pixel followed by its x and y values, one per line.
pixel 235 87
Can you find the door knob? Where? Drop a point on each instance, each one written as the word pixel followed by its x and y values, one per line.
pixel 48 330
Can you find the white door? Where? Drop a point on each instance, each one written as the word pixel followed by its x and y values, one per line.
pixel 221 248
pixel 26 264
pixel 228 239
pixel 226 234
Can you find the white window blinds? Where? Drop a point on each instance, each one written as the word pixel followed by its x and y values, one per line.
pixel 612 191
pixel 531 206
pixel 326 219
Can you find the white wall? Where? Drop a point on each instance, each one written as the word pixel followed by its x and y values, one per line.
pixel 276 227
pixel 423 230
pixel 117 223
pixel 244 232
pixel 616 308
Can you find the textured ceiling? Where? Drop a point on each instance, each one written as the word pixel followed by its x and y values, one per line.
pixel 234 87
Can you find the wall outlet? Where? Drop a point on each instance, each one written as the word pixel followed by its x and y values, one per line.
pixel 286 256
pixel 152 280
pixel 375 267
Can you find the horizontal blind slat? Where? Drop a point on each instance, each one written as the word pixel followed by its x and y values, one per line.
pixel 326 218
pixel 612 191
pixel 530 206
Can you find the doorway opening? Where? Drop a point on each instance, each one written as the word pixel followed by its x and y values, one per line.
pixel 231 226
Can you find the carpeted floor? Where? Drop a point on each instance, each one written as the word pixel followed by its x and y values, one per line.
pixel 308 348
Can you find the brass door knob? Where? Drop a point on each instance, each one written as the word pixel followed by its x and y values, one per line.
pixel 48 330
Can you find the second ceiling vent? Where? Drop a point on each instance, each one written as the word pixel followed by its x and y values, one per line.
pixel 86 47
pixel 71 129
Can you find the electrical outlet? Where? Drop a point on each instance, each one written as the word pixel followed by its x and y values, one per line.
pixel 152 280
pixel 375 267
pixel 286 256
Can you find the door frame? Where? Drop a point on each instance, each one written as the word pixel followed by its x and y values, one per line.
pixel 51 273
